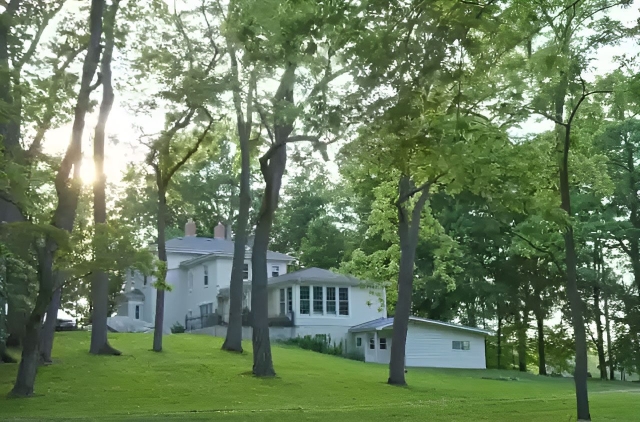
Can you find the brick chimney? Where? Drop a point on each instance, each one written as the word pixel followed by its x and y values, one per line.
pixel 190 228
pixel 219 231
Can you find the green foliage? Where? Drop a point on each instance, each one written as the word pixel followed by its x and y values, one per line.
pixel 317 343
pixel 177 328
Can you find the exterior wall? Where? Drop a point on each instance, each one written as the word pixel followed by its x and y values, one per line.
pixel 431 346
pixel 364 305
pixel 199 294
pixel 174 306
pixel 174 259
pixel 123 309
pixel 377 354
pixel 275 333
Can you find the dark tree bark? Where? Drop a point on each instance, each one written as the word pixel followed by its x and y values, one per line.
pixel 607 324
pixel 272 167
pixel 408 230
pixel 602 360
pixel 522 323
pixel 162 256
pixel 573 294
pixel 499 335
pixel 100 282
pixel 49 327
pixel 65 213
pixel 233 340
pixel 542 361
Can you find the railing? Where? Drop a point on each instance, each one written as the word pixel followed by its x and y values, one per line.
pixel 202 321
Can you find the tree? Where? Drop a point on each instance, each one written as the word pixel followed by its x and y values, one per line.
pixel 100 283
pixel 64 215
pixel 303 40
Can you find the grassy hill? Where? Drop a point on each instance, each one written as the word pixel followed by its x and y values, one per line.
pixel 193 379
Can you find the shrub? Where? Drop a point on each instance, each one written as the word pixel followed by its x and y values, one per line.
pixel 319 343
pixel 355 355
pixel 177 328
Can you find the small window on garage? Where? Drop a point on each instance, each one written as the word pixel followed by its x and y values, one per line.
pixel 460 345
pixel 372 343
pixel 137 311
pixel 383 343
pixel 359 341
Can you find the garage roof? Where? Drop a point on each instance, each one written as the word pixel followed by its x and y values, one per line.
pixel 385 323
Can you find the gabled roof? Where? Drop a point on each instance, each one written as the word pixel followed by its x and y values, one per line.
pixel 386 323
pixel 213 247
pixel 134 295
pixel 315 275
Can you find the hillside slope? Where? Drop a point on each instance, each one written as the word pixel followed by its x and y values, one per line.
pixel 194 379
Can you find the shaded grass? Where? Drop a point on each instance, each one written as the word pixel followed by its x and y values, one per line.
pixel 193 379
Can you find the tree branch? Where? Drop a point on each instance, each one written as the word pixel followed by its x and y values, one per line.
pixel 190 152
pixel 97 84
pixel 36 39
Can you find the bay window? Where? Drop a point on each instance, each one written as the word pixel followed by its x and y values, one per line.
pixel 331 300
pixel 318 306
pixel 344 301
pixel 304 300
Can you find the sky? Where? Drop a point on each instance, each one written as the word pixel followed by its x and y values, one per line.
pixel 122 122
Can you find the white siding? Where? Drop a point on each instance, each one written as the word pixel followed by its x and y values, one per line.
pixel 431 346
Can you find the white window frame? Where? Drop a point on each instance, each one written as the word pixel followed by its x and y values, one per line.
pixel 325 313
pixel 372 342
pixel 358 341
pixel 137 310
pixel 209 305
pixel 275 269
pixel 310 300
pixel 245 270
pixel 206 276
pixel 313 300
pixel 289 299
pixel 382 341
pixel 462 345
pixel 283 301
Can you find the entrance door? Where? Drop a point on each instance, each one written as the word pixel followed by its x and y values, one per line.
pixel 369 348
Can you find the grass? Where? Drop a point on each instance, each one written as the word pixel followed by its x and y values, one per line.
pixel 193 379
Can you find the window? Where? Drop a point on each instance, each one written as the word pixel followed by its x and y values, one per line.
pixel 372 343
pixel 317 300
pixel 460 345
pixel 144 280
pixel 359 341
pixel 304 300
pixel 290 299
pixel 275 270
pixel 282 302
pixel 206 309
pixel 383 343
pixel 190 281
pixel 137 311
pixel 206 275
pixel 245 272
pixel 331 300
pixel 344 301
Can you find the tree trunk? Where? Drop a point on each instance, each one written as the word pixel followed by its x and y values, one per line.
pixel 162 256
pixel 542 361
pixel 499 335
pixel 575 302
pixel 408 230
pixel 100 282
pixel 272 172
pixel 602 361
pixel 49 327
pixel 522 322
pixel 607 323
pixel 65 213
pixel 233 340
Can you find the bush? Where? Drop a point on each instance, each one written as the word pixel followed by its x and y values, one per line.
pixel 319 343
pixel 355 355
pixel 177 328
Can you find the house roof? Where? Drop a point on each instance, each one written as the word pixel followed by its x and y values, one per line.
pixel 213 247
pixel 385 323
pixel 314 275
pixel 134 295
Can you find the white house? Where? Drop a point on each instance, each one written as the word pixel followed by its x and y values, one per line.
pixel 429 343
pixel 312 301
pixel 199 271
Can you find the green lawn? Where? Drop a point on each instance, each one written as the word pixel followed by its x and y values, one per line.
pixel 193 379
